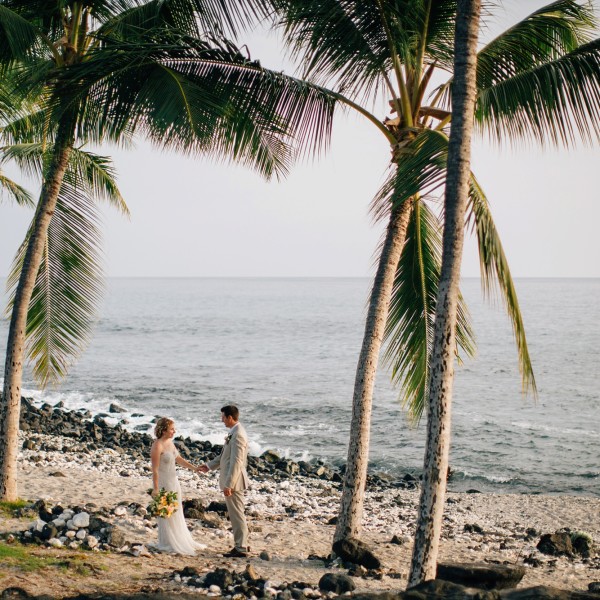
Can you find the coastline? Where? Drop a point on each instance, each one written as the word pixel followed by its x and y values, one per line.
pixel 289 517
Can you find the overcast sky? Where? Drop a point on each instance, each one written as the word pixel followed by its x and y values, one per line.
pixel 192 217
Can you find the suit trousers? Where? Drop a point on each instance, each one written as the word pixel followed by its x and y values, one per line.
pixel 235 508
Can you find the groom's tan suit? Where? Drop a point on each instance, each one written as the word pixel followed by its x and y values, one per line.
pixel 233 475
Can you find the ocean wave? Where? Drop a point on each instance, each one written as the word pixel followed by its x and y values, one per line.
pixel 477 476
pixel 550 429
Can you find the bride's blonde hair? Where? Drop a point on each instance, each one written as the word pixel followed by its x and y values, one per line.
pixel 161 426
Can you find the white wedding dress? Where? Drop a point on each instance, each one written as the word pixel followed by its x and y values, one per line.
pixel 173 534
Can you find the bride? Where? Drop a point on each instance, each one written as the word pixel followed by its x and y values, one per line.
pixel 173 534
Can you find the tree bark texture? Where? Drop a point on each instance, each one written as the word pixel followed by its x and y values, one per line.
pixel 433 490
pixel 10 404
pixel 355 476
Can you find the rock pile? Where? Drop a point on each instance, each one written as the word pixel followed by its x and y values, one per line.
pixel 78 528
pixel 247 584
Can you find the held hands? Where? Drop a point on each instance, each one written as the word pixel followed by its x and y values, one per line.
pixel 202 469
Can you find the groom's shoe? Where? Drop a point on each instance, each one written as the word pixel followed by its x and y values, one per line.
pixel 236 553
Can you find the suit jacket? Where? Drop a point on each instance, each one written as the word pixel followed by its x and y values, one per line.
pixel 232 461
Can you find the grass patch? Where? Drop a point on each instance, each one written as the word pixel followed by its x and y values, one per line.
pixel 24 558
pixel 8 509
pixel 21 557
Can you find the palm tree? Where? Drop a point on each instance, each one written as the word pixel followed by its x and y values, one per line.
pixel 539 79
pixel 433 486
pixel 104 70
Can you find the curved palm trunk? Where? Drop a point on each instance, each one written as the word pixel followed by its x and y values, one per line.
pixel 13 371
pixel 433 490
pixel 355 477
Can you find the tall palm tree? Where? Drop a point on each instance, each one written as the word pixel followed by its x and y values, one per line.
pixel 104 70
pixel 456 194
pixel 539 79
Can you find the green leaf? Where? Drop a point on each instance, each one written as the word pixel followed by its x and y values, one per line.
pixel 19 38
pixel 351 46
pixel 409 330
pixel 14 192
pixel 197 98
pixel 421 170
pixel 495 275
pixel 544 36
pixel 192 17
pixel 69 283
pixel 552 104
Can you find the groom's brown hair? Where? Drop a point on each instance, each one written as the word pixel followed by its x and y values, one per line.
pixel 231 411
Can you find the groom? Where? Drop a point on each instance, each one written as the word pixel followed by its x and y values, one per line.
pixel 233 479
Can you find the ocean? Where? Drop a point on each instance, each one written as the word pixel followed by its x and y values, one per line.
pixel 285 351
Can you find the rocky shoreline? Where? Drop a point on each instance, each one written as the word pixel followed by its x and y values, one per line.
pixel 87 483
pixel 94 432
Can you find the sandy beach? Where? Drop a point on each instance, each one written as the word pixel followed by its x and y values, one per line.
pixel 289 520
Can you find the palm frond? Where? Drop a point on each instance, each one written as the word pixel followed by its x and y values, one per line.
pixel 201 98
pixel 19 38
pixel 29 157
pixel 92 171
pixel 544 36
pixel 14 192
pixel 97 174
pixel 440 34
pixel 344 43
pixel 421 170
pixel 69 283
pixel 409 329
pixel 67 289
pixel 495 274
pixel 556 102
pixel 193 17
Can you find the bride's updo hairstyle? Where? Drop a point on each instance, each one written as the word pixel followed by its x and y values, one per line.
pixel 161 426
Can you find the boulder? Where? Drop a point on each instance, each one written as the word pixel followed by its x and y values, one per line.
pixel 218 507
pixel 542 592
pixel 446 590
pixel 115 536
pixel 270 456
pixel 81 519
pixel 15 593
pixel 556 544
pixel 48 532
pixel 481 575
pixel 219 577
pixel 339 584
pixel 357 552
pixel 211 521
pixel 193 508
pixel 582 544
pixel 115 408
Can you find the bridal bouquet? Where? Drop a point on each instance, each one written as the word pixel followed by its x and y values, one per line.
pixel 163 505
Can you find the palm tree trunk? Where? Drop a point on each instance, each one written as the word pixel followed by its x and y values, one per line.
pixel 355 477
pixel 433 490
pixel 10 404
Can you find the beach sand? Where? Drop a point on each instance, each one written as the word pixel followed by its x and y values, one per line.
pixel 289 520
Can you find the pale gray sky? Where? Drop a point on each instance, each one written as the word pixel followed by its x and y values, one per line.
pixel 193 217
